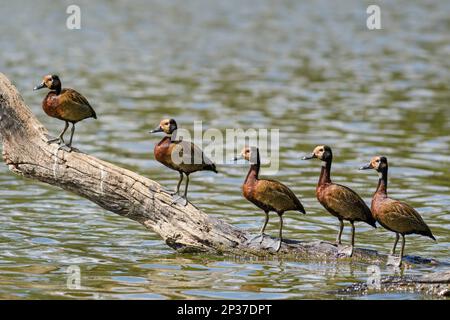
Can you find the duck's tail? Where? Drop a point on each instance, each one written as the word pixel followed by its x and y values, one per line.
pixel 212 167
pixel 372 221
pixel 300 207
pixel 428 234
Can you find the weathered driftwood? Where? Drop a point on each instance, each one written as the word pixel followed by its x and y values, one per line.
pixel 128 194
pixel 437 284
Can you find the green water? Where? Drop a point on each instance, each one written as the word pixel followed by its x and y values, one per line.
pixel 312 70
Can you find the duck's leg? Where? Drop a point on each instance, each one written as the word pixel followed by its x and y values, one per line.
pixel 266 220
pixel 393 260
pixel 346 251
pixel 353 237
pixel 281 232
pixel 395 243
pixel 261 233
pixel 184 197
pixel 186 191
pixel 68 146
pixel 178 185
pixel 60 137
pixel 402 250
pixel 341 228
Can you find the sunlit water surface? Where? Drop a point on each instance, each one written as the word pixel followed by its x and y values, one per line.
pixel 312 70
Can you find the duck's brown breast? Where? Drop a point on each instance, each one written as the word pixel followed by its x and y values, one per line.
pixel 162 153
pixel 323 198
pixel 50 105
pixel 249 193
pixel 248 190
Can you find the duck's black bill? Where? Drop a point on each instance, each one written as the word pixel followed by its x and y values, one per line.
pixel 311 156
pixel 156 130
pixel 42 85
pixel 366 167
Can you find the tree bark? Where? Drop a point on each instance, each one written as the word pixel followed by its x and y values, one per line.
pixel 26 152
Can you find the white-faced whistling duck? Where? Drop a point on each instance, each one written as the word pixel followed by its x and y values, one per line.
pixel 394 215
pixel 64 104
pixel 268 195
pixel 182 156
pixel 340 201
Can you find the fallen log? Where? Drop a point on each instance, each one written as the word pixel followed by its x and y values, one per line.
pixel 437 284
pixel 185 229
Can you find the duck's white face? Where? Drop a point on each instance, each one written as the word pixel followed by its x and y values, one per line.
pixel 378 163
pixel 168 125
pixel 250 154
pixel 48 81
pixel 246 153
pixel 322 153
pixel 319 152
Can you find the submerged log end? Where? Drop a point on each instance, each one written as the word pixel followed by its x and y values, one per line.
pixel 436 284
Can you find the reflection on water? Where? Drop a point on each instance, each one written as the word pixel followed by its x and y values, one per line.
pixel 310 69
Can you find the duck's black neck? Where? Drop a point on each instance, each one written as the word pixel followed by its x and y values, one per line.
pixel 253 173
pixel 57 89
pixel 325 174
pixel 166 140
pixel 383 181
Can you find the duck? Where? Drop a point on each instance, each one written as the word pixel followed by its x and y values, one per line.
pixel 182 156
pixel 341 201
pixel 394 215
pixel 65 104
pixel 268 195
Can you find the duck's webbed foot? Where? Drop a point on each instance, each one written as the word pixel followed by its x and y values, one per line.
pixel 278 246
pixel 259 238
pixel 66 148
pixel 265 242
pixel 273 245
pixel 344 251
pixel 58 140
pixel 177 199
pixel 394 261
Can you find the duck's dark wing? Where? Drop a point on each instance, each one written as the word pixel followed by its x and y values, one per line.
pixel 192 158
pixel 347 204
pixel 401 217
pixel 278 196
pixel 72 99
